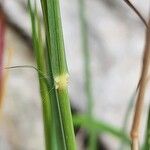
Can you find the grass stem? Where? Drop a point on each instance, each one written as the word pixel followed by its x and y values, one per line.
pixel 87 72
pixel 141 92
pixel 57 112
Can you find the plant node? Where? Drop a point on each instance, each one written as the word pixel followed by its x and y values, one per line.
pixel 61 81
pixel 135 140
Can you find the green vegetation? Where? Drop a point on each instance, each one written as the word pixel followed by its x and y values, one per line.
pixel 52 63
pixel 53 80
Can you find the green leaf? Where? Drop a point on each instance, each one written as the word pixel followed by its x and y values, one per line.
pixel 99 127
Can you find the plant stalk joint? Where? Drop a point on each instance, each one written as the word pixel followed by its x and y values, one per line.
pixel 61 81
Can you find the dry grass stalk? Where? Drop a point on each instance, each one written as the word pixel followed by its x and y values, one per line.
pixel 141 88
pixel 141 92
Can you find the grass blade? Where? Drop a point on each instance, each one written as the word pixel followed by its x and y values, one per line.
pixel 99 127
pixel 86 56
pixel 87 72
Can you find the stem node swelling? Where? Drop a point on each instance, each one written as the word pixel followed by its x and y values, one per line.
pixel 135 141
pixel 61 81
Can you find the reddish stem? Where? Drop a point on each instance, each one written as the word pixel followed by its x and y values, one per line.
pixel 2 38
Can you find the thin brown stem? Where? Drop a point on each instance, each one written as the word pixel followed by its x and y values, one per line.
pixel 137 12
pixel 141 92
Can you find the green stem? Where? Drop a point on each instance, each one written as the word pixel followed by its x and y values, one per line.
pixel 87 72
pixel 57 133
pixel 57 62
pixel 38 49
pixel 93 141
pixel 87 59
pixel 67 119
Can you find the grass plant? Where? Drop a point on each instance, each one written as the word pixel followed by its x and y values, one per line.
pixel 100 127
pixel 51 62
pixel 141 88
pixel 141 93
pixel 53 79
pixel 88 86
pixel 87 72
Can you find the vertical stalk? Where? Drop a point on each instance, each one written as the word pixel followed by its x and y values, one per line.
pixel 123 144
pixel 142 82
pixel 87 59
pixel 141 92
pixel 57 61
pixel 39 54
pixel 87 72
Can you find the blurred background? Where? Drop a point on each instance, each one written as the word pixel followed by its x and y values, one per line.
pixel 116 41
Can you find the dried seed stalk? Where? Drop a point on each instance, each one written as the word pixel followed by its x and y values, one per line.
pixel 141 93
pixel 141 88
